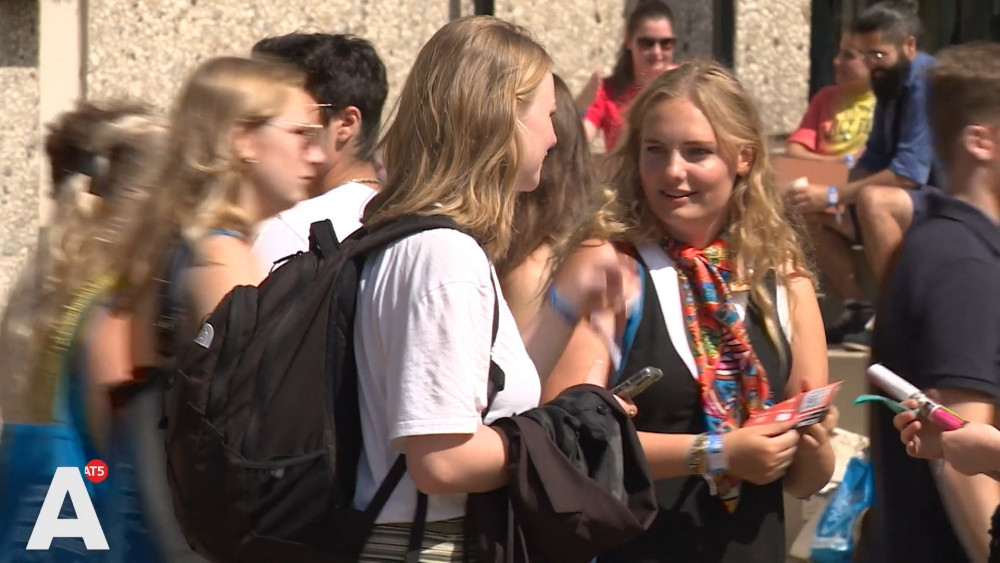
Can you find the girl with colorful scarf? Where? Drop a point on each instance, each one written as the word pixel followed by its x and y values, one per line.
pixel 728 313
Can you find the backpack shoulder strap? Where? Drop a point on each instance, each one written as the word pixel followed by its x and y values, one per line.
pixel 497 379
pixel 170 299
pixel 323 238
pixel 369 240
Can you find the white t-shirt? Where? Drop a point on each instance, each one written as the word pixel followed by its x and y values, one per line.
pixel 423 329
pixel 288 232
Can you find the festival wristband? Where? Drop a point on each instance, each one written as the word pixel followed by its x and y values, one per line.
pixel 716 460
pixel 566 310
pixel 833 200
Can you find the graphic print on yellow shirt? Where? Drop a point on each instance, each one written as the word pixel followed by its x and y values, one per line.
pixel 836 123
pixel 847 131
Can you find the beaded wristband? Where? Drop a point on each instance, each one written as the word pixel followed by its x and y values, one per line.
pixel 696 455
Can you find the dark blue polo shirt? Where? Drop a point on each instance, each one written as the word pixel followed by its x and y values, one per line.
pixel 900 139
pixel 938 327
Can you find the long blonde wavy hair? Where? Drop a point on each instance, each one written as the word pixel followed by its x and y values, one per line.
pixel 764 238
pixel 199 184
pixel 100 157
pixel 453 147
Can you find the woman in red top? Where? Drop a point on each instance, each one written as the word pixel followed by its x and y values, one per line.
pixel 648 50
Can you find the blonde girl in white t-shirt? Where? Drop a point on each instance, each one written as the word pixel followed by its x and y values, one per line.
pixel 472 128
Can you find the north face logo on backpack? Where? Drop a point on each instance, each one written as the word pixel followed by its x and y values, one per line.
pixel 206 336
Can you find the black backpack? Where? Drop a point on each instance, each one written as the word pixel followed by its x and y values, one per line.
pixel 263 437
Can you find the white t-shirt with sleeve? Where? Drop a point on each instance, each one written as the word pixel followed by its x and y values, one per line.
pixel 288 232
pixel 422 338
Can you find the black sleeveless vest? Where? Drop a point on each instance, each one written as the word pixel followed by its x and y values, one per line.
pixel 692 525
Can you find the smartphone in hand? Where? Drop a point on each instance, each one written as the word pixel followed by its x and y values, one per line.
pixel 637 383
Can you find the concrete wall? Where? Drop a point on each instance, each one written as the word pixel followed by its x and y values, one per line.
pixel 772 58
pixel 19 135
pixel 583 36
pixel 166 40
pixel 173 37
pixel 54 51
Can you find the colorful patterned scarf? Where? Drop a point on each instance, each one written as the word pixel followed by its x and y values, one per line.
pixel 733 383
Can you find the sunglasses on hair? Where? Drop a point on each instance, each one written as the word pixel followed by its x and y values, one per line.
pixel 310 132
pixel 647 43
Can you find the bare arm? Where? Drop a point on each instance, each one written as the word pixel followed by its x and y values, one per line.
pixel 224 262
pixel 457 463
pixel 969 501
pixel 590 129
pixel 973 448
pixel 524 287
pixel 808 340
pixel 108 346
pixel 107 356
pixel 814 461
pixel 588 92
pixel 594 277
pixel 798 150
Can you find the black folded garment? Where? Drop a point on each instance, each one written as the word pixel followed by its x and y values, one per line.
pixel 579 484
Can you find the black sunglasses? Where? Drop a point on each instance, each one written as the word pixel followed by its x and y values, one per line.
pixel 647 43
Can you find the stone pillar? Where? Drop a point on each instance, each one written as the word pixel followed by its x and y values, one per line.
pixel 60 83
pixel 461 8
pixel 694 26
pixel 771 58
pixel 580 36
pixel 19 135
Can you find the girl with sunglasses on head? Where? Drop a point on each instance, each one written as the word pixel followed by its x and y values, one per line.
pixel 646 52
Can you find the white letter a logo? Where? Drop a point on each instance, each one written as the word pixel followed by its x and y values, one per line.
pixel 85 525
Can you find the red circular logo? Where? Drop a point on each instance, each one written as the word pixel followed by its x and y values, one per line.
pixel 96 471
